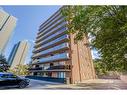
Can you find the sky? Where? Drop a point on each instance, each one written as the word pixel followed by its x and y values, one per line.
pixel 29 20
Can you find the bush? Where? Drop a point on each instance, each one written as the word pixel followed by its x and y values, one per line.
pixel 1 70
pixel 100 67
pixel 20 70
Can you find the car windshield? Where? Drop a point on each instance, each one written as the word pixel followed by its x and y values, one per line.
pixel 8 76
pixel 12 76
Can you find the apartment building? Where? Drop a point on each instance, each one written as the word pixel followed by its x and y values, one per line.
pixel 18 54
pixel 7 25
pixel 56 54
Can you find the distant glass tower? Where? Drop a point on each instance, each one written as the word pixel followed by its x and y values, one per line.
pixel 18 54
pixel 56 54
pixel 7 25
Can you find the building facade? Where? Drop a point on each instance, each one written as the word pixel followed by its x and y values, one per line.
pixel 7 25
pixel 56 55
pixel 18 54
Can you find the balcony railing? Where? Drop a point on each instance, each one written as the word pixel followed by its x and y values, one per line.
pixel 50 24
pixel 64 37
pixel 68 67
pixel 53 68
pixel 36 68
pixel 54 49
pixel 62 30
pixel 50 20
pixel 62 56
pixel 62 23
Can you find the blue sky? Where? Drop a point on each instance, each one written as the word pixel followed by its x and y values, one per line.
pixel 29 19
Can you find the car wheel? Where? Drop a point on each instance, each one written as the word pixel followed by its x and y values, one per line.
pixel 22 84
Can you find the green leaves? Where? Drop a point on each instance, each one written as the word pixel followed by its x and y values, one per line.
pixel 20 70
pixel 107 25
pixel 3 64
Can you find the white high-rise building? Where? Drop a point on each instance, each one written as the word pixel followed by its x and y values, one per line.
pixel 18 54
pixel 7 25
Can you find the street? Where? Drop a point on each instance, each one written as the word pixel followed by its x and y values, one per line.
pixel 98 84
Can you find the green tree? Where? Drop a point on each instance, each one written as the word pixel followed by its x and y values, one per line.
pixel 3 63
pixel 100 67
pixel 107 29
pixel 1 70
pixel 20 70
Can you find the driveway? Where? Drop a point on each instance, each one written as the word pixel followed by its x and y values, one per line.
pixel 96 84
pixel 37 84
pixel 103 84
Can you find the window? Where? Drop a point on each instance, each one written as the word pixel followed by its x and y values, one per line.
pixel 4 76
pixel 61 74
pixel 8 76
pixel 12 76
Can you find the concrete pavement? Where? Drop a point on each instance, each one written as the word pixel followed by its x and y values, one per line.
pixel 37 84
pixel 97 84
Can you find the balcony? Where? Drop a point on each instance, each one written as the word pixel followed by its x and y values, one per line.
pixel 51 36
pixel 52 50
pixel 50 19
pixel 58 57
pixel 52 43
pixel 34 61
pixel 42 29
pixel 51 30
pixel 52 68
pixel 65 67
pixel 36 68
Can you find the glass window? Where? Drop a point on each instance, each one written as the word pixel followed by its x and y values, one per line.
pixel 4 76
pixel 8 76
pixel 61 74
pixel 12 76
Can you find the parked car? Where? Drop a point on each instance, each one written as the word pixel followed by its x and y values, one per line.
pixel 8 80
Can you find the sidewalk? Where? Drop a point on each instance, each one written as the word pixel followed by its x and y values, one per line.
pixel 96 84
